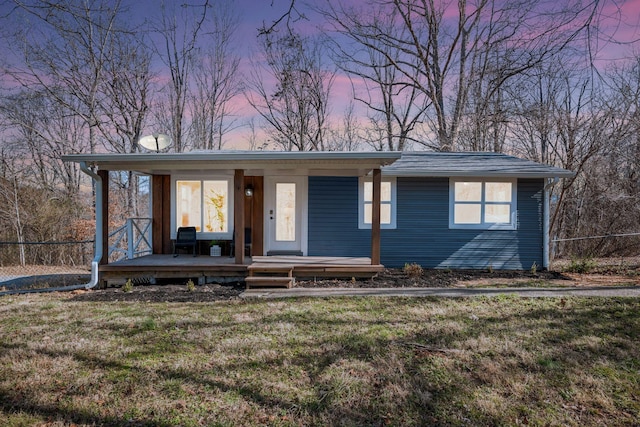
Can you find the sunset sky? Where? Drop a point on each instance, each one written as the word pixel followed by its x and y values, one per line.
pixel 618 34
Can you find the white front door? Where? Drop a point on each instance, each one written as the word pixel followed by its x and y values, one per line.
pixel 285 213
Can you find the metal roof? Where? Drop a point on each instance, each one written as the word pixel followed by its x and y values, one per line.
pixel 471 164
pixel 428 164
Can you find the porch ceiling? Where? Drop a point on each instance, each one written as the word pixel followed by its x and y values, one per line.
pixel 254 162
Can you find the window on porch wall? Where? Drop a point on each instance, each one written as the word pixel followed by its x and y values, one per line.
pixel 203 204
pixel 387 203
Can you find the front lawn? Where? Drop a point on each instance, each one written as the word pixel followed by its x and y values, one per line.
pixel 352 361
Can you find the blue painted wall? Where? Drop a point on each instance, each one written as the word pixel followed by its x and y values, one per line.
pixel 422 234
pixel 333 218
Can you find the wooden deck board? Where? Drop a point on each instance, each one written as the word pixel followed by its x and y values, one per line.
pixel 166 266
pixel 311 260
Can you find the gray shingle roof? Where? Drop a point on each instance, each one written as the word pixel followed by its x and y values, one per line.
pixel 478 164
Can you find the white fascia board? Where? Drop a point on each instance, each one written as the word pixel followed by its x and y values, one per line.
pixel 381 157
pixel 475 174
pixel 237 160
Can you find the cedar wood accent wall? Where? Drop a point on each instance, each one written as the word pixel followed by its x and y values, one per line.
pixel 254 213
pixel 161 212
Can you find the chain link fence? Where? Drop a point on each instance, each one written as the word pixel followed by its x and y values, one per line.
pixel 616 246
pixel 38 265
pixel 34 265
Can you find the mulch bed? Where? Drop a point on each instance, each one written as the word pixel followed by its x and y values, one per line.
pixel 390 278
pixel 397 278
pixel 163 293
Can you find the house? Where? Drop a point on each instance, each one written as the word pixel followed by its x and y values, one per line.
pixel 440 210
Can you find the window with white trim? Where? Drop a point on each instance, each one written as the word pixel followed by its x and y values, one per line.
pixel 482 204
pixel 387 203
pixel 205 205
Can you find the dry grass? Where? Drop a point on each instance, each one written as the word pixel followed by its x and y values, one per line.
pixel 359 361
pixel 38 270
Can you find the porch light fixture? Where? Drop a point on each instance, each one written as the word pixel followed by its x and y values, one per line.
pixel 248 191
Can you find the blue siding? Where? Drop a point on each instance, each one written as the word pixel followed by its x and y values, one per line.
pixel 422 234
pixel 333 218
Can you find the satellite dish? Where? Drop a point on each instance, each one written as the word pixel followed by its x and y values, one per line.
pixel 155 142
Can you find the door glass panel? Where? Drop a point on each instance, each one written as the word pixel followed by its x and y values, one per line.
pixel 285 212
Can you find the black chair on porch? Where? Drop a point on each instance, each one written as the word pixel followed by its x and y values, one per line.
pixel 247 243
pixel 185 239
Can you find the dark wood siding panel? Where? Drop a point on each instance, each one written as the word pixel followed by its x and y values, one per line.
pixel 254 213
pixel 333 218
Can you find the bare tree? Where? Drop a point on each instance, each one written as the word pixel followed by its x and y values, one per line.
pixel 125 106
pixel 216 79
pixel 394 103
pixel 179 30
pixel 297 108
pixel 623 100
pixel 11 213
pixel 39 131
pixel 445 41
pixel 348 135
pixel 291 15
pixel 558 121
pixel 611 195
pixel 67 49
pixel 125 94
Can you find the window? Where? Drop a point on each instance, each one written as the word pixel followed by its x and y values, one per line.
pixel 482 204
pixel 204 204
pixel 387 203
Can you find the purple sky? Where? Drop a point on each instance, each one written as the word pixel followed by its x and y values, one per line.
pixel 620 20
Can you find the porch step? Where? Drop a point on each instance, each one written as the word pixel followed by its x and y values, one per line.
pixel 270 276
pixel 268 282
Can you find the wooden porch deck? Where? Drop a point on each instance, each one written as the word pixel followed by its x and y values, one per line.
pixel 206 268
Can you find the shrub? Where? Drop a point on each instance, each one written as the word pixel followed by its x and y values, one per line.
pixel 414 271
pixel 191 286
pixel 581 265
pixel 128 286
